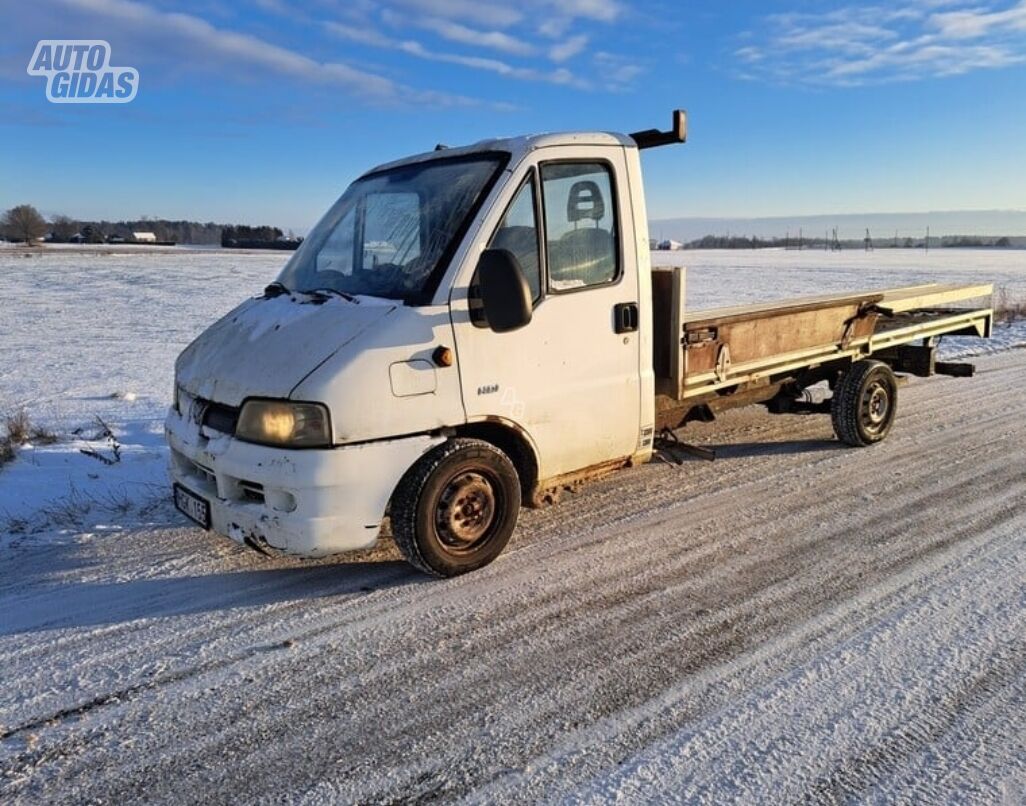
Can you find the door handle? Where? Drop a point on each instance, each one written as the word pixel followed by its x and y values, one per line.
pixel 625 317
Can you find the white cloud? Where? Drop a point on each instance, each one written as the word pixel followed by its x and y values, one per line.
pixel 616 72
pixel 977 23
pixel 503 13
pixel 568 49
pixel 199 42
pixel 856 45
pixel 602 10
pixel 558 16
pixel 558 76
pixel 413 48
pixel 511 31
pixel 492 40
pixel 478 12
pixel 493 36
pixel 750 54
pixel 274 6
pixel 359 33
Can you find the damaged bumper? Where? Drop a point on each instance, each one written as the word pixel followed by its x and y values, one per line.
pixel 309 503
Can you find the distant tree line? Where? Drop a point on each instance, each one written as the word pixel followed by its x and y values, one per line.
pixel 973 241
pixel 793 242
pixel 63 229
pixel 241 236
pixel 23 223
pixel 734 242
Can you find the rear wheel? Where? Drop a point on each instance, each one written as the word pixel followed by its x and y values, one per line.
pixel 864 404
pixel 455 509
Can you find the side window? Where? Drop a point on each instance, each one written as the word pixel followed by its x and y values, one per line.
pixel 518 232
pixel 580 224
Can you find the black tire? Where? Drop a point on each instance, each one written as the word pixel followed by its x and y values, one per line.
pixel 864 404
pixel 455 510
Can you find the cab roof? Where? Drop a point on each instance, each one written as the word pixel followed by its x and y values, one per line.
pixel 518 147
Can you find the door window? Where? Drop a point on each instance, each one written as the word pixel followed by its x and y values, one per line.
pixel 518 232
pixel 580 224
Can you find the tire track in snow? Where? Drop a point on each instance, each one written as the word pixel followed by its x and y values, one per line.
pixel 884 731
pixel 653 583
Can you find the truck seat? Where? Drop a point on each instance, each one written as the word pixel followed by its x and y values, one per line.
pixel 585 255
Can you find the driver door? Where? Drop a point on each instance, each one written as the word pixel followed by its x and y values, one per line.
pixel 570 378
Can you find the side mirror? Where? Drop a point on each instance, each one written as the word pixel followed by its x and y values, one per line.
pixel 505 294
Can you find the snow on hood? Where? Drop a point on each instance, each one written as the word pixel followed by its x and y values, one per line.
pixel 266 346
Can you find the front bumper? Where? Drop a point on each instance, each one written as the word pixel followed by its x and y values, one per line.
pixel 310 503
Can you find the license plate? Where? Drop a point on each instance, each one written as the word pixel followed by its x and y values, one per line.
pixel 192 506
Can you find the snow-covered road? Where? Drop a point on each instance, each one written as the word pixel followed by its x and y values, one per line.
pixel 794 621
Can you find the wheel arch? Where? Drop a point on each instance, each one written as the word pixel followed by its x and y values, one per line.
pixel 512 441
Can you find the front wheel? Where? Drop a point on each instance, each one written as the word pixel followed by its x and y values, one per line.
pixel 864 404
pixel 455 510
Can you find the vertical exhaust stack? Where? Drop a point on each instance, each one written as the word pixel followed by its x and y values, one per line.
pixel 678 133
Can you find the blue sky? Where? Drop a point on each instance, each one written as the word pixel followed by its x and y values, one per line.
pixel 263 111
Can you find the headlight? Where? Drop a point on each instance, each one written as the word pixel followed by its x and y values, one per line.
pixel 288 425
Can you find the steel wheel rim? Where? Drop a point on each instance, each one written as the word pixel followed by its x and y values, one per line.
pixel 876 406
pixel 467 511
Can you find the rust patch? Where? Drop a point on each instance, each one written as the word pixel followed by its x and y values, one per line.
pixel 549 491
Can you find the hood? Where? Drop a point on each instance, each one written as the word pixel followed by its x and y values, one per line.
pixel 267 346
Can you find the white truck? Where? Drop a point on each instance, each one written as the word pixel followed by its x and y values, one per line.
pixel 474 329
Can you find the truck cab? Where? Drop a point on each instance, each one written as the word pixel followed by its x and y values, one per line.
pixel 474 329
pixel 309 412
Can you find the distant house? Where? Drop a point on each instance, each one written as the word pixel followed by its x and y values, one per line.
pixel 144 237
pixel 671 245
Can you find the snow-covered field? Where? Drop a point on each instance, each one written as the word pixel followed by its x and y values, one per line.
pixel 793 621
pixel 93 333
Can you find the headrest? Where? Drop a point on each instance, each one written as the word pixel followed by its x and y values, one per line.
pixel 585 202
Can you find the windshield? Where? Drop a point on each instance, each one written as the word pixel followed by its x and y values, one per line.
pixel 392 230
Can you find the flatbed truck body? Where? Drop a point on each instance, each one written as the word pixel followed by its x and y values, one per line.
pixel 751 351
pixel 471 330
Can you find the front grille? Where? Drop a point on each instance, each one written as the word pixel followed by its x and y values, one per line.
pixel 252 491
pixel 219 417
pixel 205 472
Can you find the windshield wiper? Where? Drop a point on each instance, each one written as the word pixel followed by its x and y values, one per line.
pixel 326 292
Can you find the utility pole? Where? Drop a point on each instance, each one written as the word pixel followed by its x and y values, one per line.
pixel 868 241
pixel 926 243
pixel 799 239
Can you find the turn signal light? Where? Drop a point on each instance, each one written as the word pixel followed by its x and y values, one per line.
pixel 442 356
